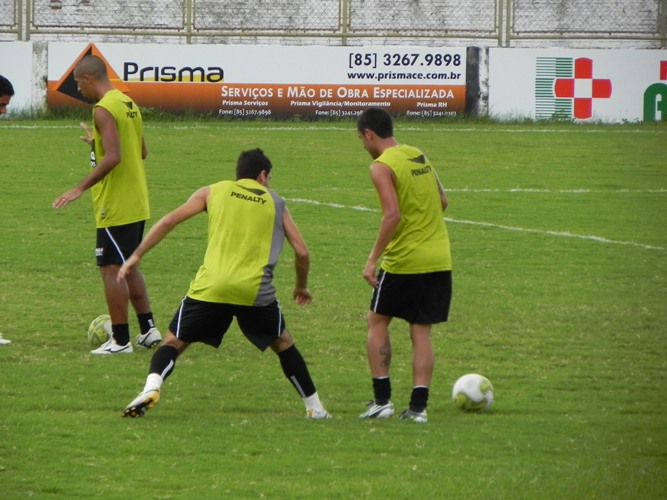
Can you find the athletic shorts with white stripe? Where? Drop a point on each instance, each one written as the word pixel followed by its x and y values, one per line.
pixel 207 322
pixel 114 244
pixel 416 298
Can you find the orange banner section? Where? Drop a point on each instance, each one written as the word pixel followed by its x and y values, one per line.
pixel 340 100
pixel 250 100
pixel 178 97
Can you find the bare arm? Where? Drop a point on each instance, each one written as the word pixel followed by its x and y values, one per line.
pixel 383 180
pixel 88 138
pixel 443 196
pixel 195 204
pixel 301 260
pixel 105 123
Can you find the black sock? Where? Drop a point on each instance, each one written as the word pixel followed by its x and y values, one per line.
pixel 419 398
pixel 382 390
pixel 121 333
pixel 164 361
pixel 295 369
pixel 145 322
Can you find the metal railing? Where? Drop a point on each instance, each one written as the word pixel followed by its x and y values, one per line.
pixel 503 23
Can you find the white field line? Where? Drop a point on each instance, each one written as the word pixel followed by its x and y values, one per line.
pixel 351 128
pixel 559 191
pixel 600 239
pixel 561 234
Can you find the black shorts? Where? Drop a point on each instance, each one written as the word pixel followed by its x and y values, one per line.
pixel 115 244
pixel 207 322
pixel 416 298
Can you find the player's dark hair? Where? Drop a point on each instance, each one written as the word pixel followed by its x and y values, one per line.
pixel 378 120
pixel 6 87
pixel 251 163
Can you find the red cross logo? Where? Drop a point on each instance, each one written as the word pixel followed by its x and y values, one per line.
pixel 583 88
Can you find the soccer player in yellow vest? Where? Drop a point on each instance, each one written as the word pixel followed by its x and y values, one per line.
pixel 247 226
pixel 117 180
pixel 414 281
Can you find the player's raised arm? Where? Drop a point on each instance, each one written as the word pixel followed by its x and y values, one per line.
pixel 195 204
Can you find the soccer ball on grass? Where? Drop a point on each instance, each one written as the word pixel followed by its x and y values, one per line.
pixel 473 392
pixel 99 330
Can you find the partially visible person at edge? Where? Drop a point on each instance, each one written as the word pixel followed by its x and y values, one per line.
pixel 247 226
pixel 117 180
pixel 6 94
pixel 414 279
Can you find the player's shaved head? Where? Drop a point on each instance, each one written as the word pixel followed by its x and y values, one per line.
pixel 91 66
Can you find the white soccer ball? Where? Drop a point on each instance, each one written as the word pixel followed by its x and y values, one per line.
pixel 99 330
pixel 473 392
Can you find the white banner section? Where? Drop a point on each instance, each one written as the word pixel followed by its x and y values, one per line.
pixel 596 85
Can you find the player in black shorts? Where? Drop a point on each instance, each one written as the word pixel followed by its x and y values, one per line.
pixel 235 279
pixel 411 250
pixel 117 181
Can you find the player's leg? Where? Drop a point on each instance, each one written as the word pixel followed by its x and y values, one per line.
pixel 378 349
pixel 138 292
pixel 378 345
pixel 265 327
pixel 296 370
pixel 149 335
pixel 194 321
pixel 423 361
pixel 387 302
pixel 113 244
pixel 162 365
pixel 432 307
pixel 116 295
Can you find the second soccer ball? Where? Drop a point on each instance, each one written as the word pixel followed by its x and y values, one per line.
pixel 99 330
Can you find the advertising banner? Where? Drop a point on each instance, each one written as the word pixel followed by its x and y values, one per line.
pixel 590 85
pixel 271 81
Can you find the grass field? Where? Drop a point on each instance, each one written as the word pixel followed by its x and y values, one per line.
pixel 560 252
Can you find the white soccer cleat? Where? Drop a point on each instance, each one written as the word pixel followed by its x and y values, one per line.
pixel 110 347
pixel 418 417
pixel 378 411
pixel 320 414
pixel 149 339
pixel 4 341
pixel 142 403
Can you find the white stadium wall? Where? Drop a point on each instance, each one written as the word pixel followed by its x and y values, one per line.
pixel 507 45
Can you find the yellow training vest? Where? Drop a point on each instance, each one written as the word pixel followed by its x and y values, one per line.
pixel 421 242
pixel 121 197
pixel 245 238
